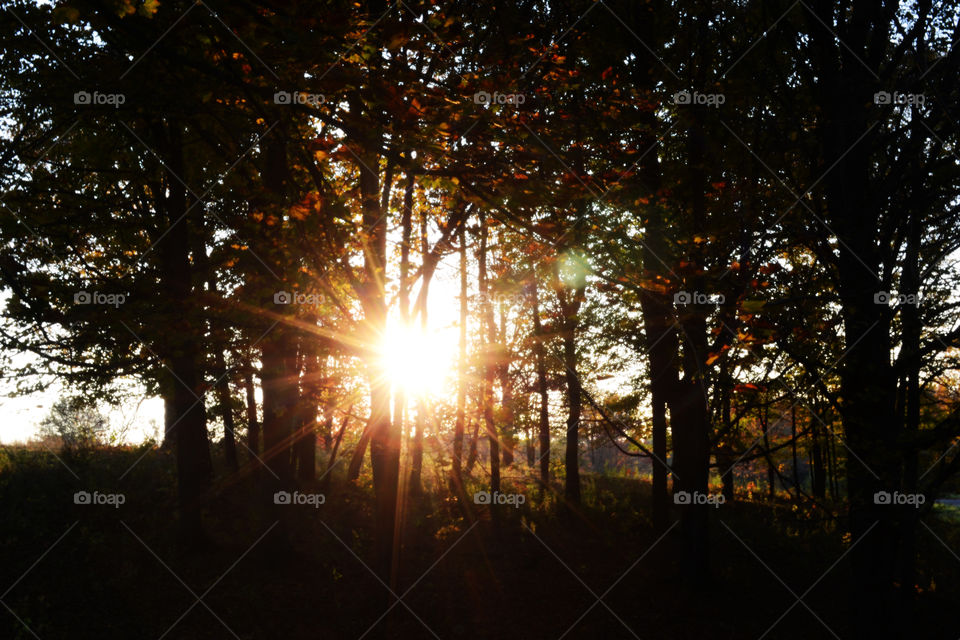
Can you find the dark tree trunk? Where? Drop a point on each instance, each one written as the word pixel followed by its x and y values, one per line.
pixel 661 344
pixel 280 403
pixel 570 303
pixel 218 340
pixel 661 341
pixel 416 453
pixel 356 460
pixel 867 382
pixel 225 405
pixel 793 450
pixel 169 410
pixel 253 421
pixel 531 449
pixel 306 444
pixel 543 419
pixel 279 372
pixel 508 438
pixel 692 465
pixel 384 435
pixel 912 327
pixel 325 484
pixel 771 472
pixel 460 426
pixel 181 350
pixel 833 475
pixel 488 349
pixel 472 450
pixel 725 459
pixel 572 454
pixel 416 445
pixel 818 475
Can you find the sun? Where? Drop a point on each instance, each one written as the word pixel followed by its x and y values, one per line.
pixel 414 361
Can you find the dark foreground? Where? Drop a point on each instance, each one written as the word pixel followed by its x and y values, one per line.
pixel 538 571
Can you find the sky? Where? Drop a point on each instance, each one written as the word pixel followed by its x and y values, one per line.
pixel 20 416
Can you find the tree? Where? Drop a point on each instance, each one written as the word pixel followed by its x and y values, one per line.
pixel 78 423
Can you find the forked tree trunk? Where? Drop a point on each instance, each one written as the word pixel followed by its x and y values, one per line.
pixel 356 460
pixel 332 460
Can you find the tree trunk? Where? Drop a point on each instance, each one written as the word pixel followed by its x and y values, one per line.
pixel 771 472
pixel 356 460
pixel 384 436
pixel 472 453
pixel 218 340
pixel 572 455
pixel 488 349
pixel 660 341
pixel 460 425
pixel 253 422
pixel 306 444
pixel 867 382
pixel 912 326
pixel 725 459
pixel 508 431
pixel 818 476
pixel 692 465
pixel 570 302
pixel 278 375
pixel 543 420
pixel 225 405
pixel 279 372
pixel 169 409
pixel 793 450
pixel 181 351
pixel 416 449
pixel 325 484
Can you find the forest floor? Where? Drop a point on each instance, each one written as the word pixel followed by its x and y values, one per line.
pixel 537 570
